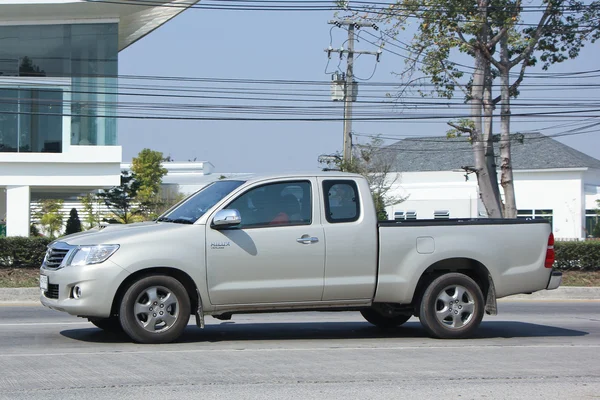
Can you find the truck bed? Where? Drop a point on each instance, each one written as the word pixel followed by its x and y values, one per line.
pixel 512 252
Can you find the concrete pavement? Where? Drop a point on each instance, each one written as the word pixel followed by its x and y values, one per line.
pixel 531 350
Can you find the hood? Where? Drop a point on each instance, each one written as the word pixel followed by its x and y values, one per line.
pixel 122 233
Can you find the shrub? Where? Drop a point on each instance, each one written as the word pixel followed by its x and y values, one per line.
pixel 73 223
pixel 577 256
pixel 22 252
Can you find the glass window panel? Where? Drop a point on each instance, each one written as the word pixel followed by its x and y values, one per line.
pixel 88 53
pixel 524 212
pixel 341 201
pixel 35 50
pixel 441 214
pixel 95 49
pixel 9 120
pixel 275 204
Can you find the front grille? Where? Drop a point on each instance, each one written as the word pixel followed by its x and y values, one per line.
pixel 54 257
pixel 52 292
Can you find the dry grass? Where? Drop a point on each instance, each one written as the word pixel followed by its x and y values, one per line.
pixel 580 278
pixel 19 277
pixel 29 277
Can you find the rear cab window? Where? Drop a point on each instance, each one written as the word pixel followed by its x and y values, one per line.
pixel 342 202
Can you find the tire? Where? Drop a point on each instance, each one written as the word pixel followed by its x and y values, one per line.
pixel 382 321
pixel 155 309
pixel 452 307
pixel 110 324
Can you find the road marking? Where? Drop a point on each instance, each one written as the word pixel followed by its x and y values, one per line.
pixel 291 349
pixel 44 323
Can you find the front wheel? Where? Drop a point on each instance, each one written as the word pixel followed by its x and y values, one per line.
pixel 155 309
pixel 452 307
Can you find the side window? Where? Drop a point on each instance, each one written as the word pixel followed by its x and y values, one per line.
pixel 275 204
pixel 341 201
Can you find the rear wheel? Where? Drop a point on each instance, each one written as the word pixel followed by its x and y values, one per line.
pixel 110 324
pixel 384 317
pixel 155 309
pixel 452 307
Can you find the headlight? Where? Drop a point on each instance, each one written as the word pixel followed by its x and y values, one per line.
pixel 86 255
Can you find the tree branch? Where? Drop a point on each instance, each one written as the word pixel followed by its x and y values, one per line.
pixel 458 84
pixel 459 128
pixel 534 39
pixel 504 30
pixel 462 37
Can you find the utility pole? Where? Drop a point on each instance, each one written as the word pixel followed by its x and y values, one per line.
pixel 349 85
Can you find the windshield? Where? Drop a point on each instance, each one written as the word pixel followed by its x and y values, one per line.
pixel 198 204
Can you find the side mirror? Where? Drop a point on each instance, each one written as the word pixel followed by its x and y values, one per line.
pixel 226 219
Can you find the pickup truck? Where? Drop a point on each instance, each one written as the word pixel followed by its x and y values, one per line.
pixel 294 242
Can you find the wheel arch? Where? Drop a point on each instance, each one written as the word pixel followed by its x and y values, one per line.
pixel 187 282
pixel 468 266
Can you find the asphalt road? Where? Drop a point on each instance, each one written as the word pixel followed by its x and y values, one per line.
pixel 545 350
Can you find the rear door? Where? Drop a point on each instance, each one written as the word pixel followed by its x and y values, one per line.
pixel 351 233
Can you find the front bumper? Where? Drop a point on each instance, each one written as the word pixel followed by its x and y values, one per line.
pixel 555 280
pixel 97 283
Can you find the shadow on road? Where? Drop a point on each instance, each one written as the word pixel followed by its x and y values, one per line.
pixel 230 331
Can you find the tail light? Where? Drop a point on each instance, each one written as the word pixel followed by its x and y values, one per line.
pixel 550 252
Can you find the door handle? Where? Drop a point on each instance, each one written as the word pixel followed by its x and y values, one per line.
pixel 305 239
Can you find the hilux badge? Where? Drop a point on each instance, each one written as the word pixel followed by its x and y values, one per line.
pixel 219 245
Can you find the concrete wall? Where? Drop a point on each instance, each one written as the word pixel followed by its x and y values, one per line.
pixel 81 168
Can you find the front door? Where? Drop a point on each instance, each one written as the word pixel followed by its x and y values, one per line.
pixel 278 252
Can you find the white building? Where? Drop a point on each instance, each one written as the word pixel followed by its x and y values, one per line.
pixel 552 181
pixel 182 178
pixel 58 80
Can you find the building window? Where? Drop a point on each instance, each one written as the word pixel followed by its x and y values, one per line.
pixel 401 215
pixel 592 225
pixel 441 214
pixel 535 214
pixel 85 53
pixel 31 120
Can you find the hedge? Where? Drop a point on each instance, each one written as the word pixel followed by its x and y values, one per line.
pixel 19 252
pixel 577 256
pixel 22 252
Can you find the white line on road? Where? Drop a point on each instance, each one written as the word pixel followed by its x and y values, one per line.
pixel 44 323
pixel 267 350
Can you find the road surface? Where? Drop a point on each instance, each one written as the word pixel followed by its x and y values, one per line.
pixel 531 350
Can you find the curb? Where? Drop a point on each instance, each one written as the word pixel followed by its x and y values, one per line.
pixel 32 295
pixel 561 293
pixel 19 295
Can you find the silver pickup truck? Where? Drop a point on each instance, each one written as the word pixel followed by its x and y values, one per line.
pixel 293 243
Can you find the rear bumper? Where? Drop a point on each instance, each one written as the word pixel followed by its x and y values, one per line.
pixel 555 280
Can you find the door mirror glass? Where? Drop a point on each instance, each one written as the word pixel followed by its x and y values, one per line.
pixel 227 219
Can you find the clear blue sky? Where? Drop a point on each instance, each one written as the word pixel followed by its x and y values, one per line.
pixel 276 45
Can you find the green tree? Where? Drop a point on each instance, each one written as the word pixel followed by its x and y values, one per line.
pixel 148 170
pixel 50 217
pixel 73 223
pixel 497 37
pixel 376 164
pixel 121 200
pixel 596 230
pixel 91 218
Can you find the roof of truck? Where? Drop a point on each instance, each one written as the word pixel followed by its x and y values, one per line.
pixel 287 175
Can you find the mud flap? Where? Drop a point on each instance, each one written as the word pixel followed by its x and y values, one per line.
pixel 199 312
pixel 491 307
